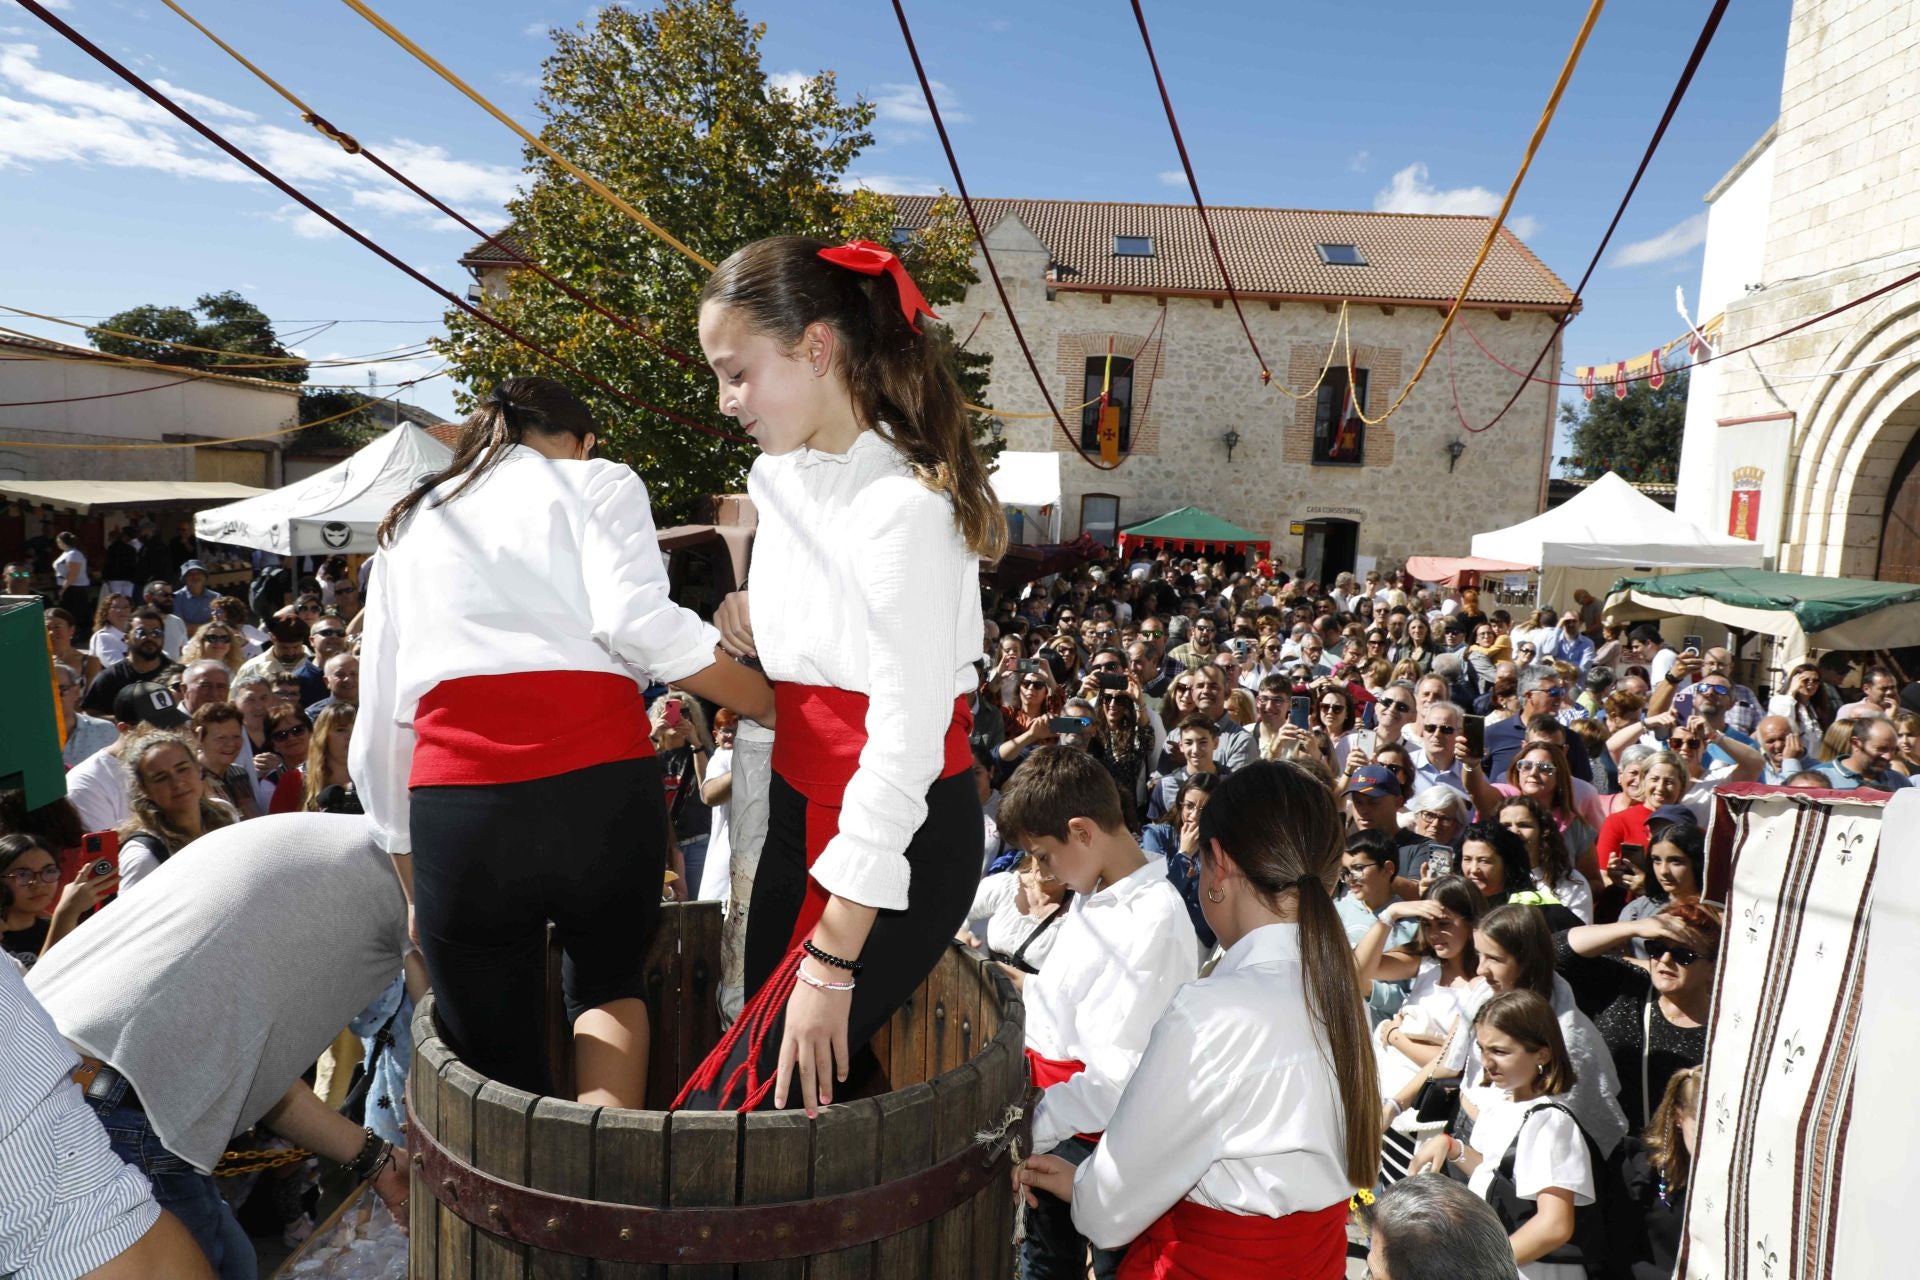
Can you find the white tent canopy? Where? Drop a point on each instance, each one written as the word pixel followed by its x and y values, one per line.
pixel 1615 526
pixel 336 510
pixel 1028 485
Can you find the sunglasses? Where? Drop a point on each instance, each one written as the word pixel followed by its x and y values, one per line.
pixel 1546 767
pixel 1444 730
pixel 331 633
pixel 213 639
pixel 1033 684
pixel 147 633
pixel 1685 744
pixel 1552 693
pixel 1394 704
pixel 287 735
pixel 1682 956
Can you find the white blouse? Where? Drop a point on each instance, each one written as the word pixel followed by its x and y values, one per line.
pixel 1551 1153
pixel 1235 1104
pixel 861 581
pixel 1595 1096
pixel 1007 928
pixel 543 565
pixel 1120 955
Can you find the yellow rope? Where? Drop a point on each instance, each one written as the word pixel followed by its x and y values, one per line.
pixel 204 444
pixel 1339 323
pixel 599 188
pixel 1493 230
pixel 259 362
pixel 79 355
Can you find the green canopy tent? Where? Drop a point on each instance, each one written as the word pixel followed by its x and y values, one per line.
pixel 1191 529
pixel 1800 612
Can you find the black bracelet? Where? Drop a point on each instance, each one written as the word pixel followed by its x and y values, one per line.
pixel 367 1163
pixel 851 966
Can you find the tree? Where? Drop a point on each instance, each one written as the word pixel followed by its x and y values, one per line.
pixel 357 428
pixel 671 109
pixel 226 323
pixel 1638 436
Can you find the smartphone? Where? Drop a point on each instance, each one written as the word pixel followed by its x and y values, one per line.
pixel 1109 680
pixel 1476 734
pixel 1029 667
pixel 1634 854
pixel 1069 724
pixel 1693 645
pixel 1683 706
pixel 673 715
pixel 99 852
pixel 1299 710
pixel 1440 863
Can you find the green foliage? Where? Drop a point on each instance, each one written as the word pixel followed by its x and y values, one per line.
pixel 671 108
pixel 1639 437
pixel 221 322
pixel 357 429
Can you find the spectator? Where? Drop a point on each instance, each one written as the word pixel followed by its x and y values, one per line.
pixel 1197 737
pixel 1665 778
pixel 1433 1228
pixel 1419 1041
pixel 253 695
pixel 1595 684
pixel 1654 1020
pixel 1333 720
pixel 1418 647
pixel 71 584
pixel 1369 867
pixel 219 735
pixel 1235 748
pixel 1869 758
pixel 1906 741
pixel 1779 749
pixel 204 684
pixel 1803 707
pixel 170 802
pixel 60 627
pixel 683 746
pixel 249 640
pixel 1201 645
pixel 1673 868
pixel 1652 651
pixel 98 786
pixel 1879 695
pixel 84 734
pixel 1439 815
pixel 328 634
pixel 112 621
pixel 193 603
pixel 217 641
pixel 1442 747
pixel 287 656
pixel 1569 642
pixel 1658 1168
pixel 1542 693
pixel 1541 771
pixel 716 792
pixel 1029 717
pixel 291 735
pixel 1374 794
pixel 1553 867
pixel 1125 746
pixel 1494 860
pixel 1022 909
pixel 1178 841
pixel 245 915
pixel 326 786
pixel 342 672
pixel 35 912
pixel 146 658
pixel 158 595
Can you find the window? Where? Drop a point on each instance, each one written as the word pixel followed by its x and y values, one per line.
pixel 1339 436
pixel 1342 255
pixel 1119 388
pixel 901 235
pixel 1100 516
pixel 1133 246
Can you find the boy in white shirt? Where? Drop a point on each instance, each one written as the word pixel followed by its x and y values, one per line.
pixel 1124 948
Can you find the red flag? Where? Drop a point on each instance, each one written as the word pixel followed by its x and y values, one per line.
pixel 1586 381
pixel 1620 381
pixel 1656 375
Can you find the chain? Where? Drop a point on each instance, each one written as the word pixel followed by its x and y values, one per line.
pixel 236 1163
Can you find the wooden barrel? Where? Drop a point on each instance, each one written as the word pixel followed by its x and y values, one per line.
pixel 892 1186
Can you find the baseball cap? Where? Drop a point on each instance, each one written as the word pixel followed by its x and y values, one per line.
pixel 192 566
pixel 1373 780
pixel 1671 815
pixel 144 702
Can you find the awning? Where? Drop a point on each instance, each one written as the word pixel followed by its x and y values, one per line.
pixel 738 540
pixel 1612 525
pixel 1801 611
pixel 1191 529
pixel 1449 571
pixel 84 497
pixel 1021 479
pixel 1023 564
pixel 336 510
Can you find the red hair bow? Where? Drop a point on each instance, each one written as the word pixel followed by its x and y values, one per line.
pixel 869 259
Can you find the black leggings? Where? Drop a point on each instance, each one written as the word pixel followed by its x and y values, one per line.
pixel 903 947
pixel 493 864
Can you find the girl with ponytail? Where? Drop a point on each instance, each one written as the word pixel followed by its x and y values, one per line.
pixel 1279 1118
pixel 864 611
pixel 515 613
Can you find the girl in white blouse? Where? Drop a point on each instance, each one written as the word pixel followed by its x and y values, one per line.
pixel 1527 1157
pixel 1253 1113
pixel 864 610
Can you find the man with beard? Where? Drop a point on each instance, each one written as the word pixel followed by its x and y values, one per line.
pixel 159 597
pixel 146 657
pixel 1236 748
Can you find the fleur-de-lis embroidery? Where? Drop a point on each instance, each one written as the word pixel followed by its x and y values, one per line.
pixel 1769 1159
pixel 1848 843
pixel 1768 1258
pixel 1720 1114
pixel 1756 921
pixel 1820 952
pixel 1739 1016
pixel 1792 1051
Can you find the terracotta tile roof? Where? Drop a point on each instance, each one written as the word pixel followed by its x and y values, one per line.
pixel 64 351
pixel 1272 252
pixel 447 433
pixel 489 254
pixel 1411 257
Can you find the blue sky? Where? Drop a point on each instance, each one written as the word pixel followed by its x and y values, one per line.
pixel 1393 104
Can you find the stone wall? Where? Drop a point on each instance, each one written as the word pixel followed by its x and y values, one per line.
pixel 1208 383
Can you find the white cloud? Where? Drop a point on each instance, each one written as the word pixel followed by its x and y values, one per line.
pixel 304 222
pixel 789 82
pixel 1523 225
pixel 997 25
pixel 1172 178
pixel 1411 191
pixel 1671 243
pixel 890 184
pixel 905 107
pixel 206 106
pixel 36 133
pixel 536 30
pixel 522 79
pixel 1358 161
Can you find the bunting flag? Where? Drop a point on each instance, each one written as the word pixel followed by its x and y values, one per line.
pixel 1650 366
pixel 1109 419
pixel 1620 381
pixel 1586 382
pixel 1655 374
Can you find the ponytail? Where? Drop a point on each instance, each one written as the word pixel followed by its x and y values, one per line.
pixel 1280 826
pixel 902 380
pixel 502 420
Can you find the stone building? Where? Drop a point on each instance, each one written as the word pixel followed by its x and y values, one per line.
pixel 1199 428
pixel 1811 444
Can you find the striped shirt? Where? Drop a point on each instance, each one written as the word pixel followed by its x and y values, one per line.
pixel 68 1204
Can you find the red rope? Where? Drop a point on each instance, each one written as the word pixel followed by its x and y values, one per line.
pixel 211 135
pixel 755 1023
pixel 1193 183
pixel 980 236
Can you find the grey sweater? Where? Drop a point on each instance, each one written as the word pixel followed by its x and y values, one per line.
pixel 221 977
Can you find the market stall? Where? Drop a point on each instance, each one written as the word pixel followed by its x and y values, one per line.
pixel 1194 532
pixel 1462 571
pixel 1799 612
pixel 335 511
pixel 1027 486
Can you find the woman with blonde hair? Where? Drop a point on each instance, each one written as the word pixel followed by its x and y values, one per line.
pixel 326 783
pixel 1658 1168
pixel 108 643
pixel 216 641
pixel 1037 699
pixel 171 806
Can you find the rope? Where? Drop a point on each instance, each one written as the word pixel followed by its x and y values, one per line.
pixel 1007 1134
pixel 224 440
pixel 1494 228
pixel 212 135
pixel 1199 205
pixel 495 240
pixel 1653 144
pixel 187 373
pixel 980 236
pixel 599 188
pixel 387 356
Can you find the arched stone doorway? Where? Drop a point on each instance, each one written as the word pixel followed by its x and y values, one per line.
pixel 1899 559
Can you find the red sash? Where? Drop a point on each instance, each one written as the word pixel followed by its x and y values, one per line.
pixel 1047 1072
pixel 1193 1242
pixel 816 749
pixel 486 730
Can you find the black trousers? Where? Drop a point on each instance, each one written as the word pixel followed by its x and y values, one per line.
pixel 903 946
pixel 493 864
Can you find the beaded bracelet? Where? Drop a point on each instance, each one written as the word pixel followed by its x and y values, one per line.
pixel 851 966
pixel 818 985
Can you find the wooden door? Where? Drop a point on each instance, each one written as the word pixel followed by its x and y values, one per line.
pixel 1900 535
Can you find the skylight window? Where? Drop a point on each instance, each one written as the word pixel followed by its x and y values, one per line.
pixel 1133 246
pixel 901 235
pixel 1342 255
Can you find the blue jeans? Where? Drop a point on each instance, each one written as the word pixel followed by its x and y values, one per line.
pixel 1054 1249
pixel 181 1189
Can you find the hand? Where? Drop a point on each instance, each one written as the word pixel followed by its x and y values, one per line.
pixel 84 893
pixel 1190 836
pixel 1357 759
pixel 966 939
pixel 1015 976
pixel 1432 1155
pixel 1135 690
pixel 1042 730
pixel 735 624
pixel 390 1184
pixel 265 762
pixel 1660 928
pixel 1664 720
pixel 1413 909
pixel 815 1043
pixel 1687 668
pixel 1050 1174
